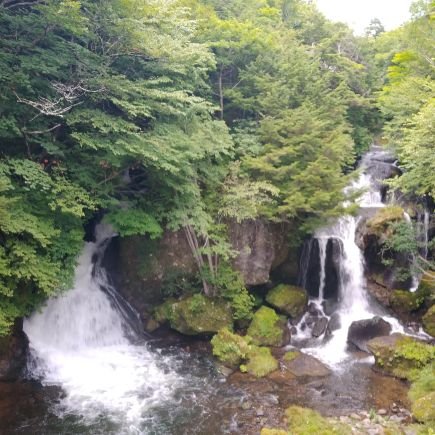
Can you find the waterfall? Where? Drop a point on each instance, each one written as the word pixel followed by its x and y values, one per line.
pixel 353 301
pixel 84 342
pixel 323 242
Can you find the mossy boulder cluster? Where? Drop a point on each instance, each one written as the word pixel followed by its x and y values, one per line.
pixel 195 315
pixel 236 351
pixel 268 328
pixel 289 300
pixel 401 356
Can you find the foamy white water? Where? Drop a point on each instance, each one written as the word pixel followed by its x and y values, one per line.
pixel 81 342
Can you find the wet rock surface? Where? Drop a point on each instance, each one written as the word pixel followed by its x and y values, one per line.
pixel 288 299
pixel 361 331
pixel 299 364
pixel 13 353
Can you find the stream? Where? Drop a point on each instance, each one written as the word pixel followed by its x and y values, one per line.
pixel 91 371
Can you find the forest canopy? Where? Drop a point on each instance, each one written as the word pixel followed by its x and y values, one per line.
pixel 183 113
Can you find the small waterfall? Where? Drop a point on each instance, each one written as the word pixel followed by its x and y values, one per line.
pixel 353 303
pixel 83 341
pixel 423 226
pixel 323 242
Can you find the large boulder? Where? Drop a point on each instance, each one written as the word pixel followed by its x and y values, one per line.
pixel 145 271
pixel 400 355
pixel 429 321
pixel 289 300
pixel 361 331
pixel 268 328
pixel 261 247
pixel 13 353
pixel 195 315
pixel 302 365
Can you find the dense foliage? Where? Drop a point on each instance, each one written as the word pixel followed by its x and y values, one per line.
pixel 184 114
pixel 407 100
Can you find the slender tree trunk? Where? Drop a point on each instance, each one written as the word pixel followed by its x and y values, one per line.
pixel 192 241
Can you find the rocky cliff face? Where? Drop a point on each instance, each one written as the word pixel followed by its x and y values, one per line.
pixel 13 352
pixel 141 267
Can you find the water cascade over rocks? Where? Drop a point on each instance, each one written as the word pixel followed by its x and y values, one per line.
pixel 352 300
pixel 85 342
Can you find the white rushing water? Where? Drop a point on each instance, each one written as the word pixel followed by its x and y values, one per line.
pixel 353 301
pixel 81 342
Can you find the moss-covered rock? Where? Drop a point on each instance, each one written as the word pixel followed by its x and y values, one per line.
pixel 422 395
pixel 195 315
pixel 405 302
pixel 379 224
pixel 288 299
pixel 231 349
pixel 400 356
pixel 429 321
pixel 303 421
pixel 261 362
pixel 423 409
pixel 268 329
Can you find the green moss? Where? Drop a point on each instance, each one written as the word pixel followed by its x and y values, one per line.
pixel 401 356
pixel 288 299
pixel 383 218
pixel 403 301
pixel 163 312
pixel 423 384
pixel 231 349
pixel 419 353
pixel 303 421
pixel 261 362
pixel 266 431
pixel 429 321
pixel 195 314
pixel 290 356
pixel 267 328
pixel 423 409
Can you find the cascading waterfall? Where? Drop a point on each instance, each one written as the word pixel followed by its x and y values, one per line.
pixel 353 303
pixel 82 342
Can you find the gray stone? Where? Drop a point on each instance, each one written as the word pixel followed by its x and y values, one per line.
pixel 361 331
pixel 319 327
pixel 13 353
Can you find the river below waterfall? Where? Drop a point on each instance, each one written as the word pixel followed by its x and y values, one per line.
pixel 203 402
pixel 91 371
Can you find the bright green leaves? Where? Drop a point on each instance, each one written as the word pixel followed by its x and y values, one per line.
pixel 134 221
pixel 408 101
